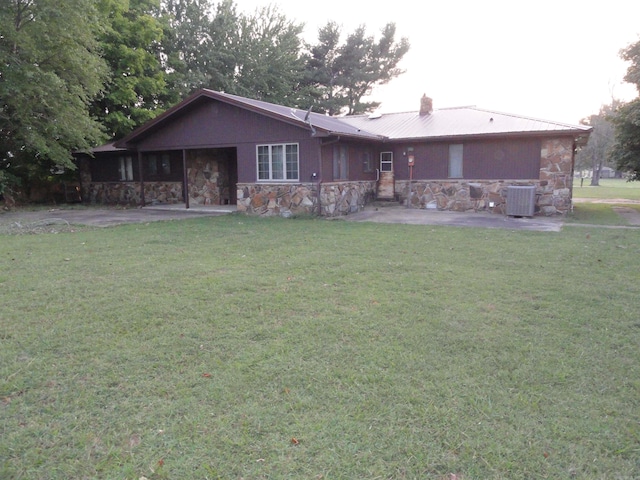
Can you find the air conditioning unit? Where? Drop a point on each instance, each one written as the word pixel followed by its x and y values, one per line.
pixel 521 200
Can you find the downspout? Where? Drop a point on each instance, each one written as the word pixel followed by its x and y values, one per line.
pixel 185 179
pixel 142 201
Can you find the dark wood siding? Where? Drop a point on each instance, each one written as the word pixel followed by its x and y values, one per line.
pixel 515 159
pixel 482 160
pixel 214 124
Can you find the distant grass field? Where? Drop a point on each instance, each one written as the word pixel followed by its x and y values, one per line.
pixel 609 188
pixel 597 213
pixel 238 347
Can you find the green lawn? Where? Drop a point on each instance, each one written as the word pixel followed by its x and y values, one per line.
pixel 238 347
pixel 598 214
pixel 609 188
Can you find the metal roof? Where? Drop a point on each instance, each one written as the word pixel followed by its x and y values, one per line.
pixel 458 122
pixel 439 124
pixel 329 125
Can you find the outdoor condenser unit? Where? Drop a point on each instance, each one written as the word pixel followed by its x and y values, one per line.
pixel 521 200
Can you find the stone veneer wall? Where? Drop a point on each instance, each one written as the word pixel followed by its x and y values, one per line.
pixel 553 188
pixel 128 193
pixel 336 198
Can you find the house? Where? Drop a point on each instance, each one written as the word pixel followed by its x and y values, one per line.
pixel 217 149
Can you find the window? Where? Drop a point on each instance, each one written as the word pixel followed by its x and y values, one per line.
pixel 278 162
pixel 340 162
pixel 159 165
pixel 126 169
pixel 367 164
pixel 165 164
pixel 455 160
pixel 153 164
pixel 386 161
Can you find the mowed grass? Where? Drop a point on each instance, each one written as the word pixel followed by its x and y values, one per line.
pixel 599 214
pixel 238 347
pixel 609 188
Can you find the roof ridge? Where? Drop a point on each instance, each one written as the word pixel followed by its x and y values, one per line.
pixel 527 117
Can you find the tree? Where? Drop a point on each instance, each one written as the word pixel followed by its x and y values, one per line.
pixel 340 76
pixel 626 148
pixel 50 70
pixel 187 43
pixel 595 154
pixel 268 65
pixel 131 46
pixel 257 55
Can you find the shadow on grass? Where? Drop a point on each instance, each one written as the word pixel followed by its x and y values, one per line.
pixel 597 214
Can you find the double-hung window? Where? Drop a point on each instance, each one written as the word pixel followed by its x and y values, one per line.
pixel 278 162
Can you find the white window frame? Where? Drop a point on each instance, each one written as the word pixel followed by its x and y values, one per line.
pixel 288 170
pixel 456 160
pixel 386 161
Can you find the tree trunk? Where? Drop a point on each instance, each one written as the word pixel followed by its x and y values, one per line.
pixel 595 178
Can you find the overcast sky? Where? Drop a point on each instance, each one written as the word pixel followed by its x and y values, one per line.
pixel 555 60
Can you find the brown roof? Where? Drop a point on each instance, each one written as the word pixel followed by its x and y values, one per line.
pixel 314 122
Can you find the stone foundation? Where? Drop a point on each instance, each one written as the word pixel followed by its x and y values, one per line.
pixel 277 199
pixel 343 198
pixel 482 195
pixel 128 193
pixel 553 187
pixel 336 198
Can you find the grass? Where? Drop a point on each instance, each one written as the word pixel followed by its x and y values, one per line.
pixel 610 188
pixel 598 214
pixel 239 347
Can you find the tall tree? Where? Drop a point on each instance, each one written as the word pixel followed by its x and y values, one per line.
pixel 595 154
pixel 341 75
pixel 268 63
pixel 255 55
pixel 50 70
pixel 131 46
pixel 187 42
pixel 626 148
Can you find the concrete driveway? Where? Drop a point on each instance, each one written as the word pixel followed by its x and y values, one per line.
pixel 107 217
pixel 99 217
pixel 402 214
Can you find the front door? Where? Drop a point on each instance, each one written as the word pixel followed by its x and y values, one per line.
pixel 386 182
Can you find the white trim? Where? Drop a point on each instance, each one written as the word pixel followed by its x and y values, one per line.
pixel 390 162
pixel 270 147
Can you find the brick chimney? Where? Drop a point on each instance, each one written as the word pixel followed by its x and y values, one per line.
pixel 426 105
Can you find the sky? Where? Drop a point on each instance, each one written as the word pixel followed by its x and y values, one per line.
pixel 553 60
